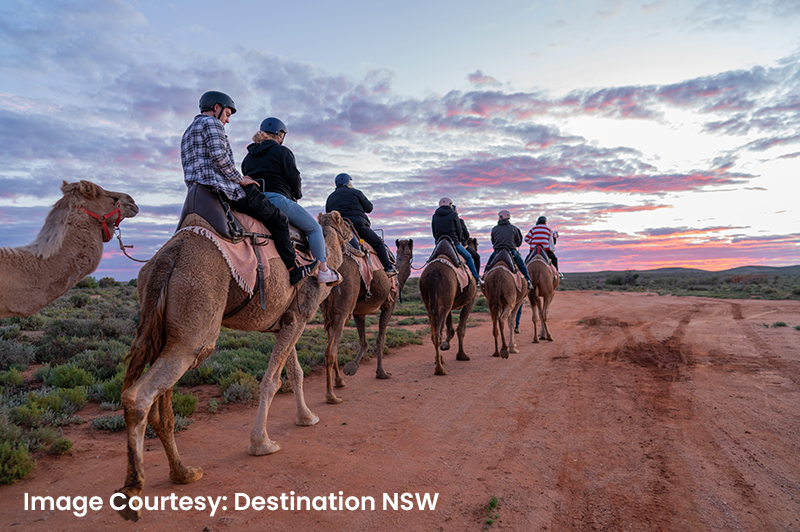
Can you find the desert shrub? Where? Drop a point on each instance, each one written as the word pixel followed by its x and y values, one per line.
pixel 106 282
pixel 239 387
pixel 213 406
pixel 103 362
pixel 109 391
pixel 133 282
pixel 401 337
pixel 87 282
pixel 60 446
pixel 58 349
pixel 208 372
pixel 29 415
pixel 80 300
pixel 34 322
pixel 15 462
pixel 779 324
pixel 15 354
pixel 245 359
pixel 11 377
pixel 109 422
pixel 40 437
pixel 49 407
pixel 10 332
pixel 8 430
pixel 183 404
pixel 68 376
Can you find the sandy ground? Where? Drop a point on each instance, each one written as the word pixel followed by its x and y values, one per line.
pixel 646 413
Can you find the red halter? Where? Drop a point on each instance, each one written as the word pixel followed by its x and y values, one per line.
pixel 106 232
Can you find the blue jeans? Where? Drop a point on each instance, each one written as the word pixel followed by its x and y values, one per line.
pixel 468 259
pixel 302 219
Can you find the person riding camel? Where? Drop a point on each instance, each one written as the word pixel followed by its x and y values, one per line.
pixel 445 222
pixel 541 235
pixel 354 205
pixel 274 164
pixel 207 160
pixel 476 258
pixel 506 235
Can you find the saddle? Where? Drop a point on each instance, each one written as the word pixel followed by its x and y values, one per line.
pixel 445 247
pixel 212 207
pixel 503 256
pixel 538 251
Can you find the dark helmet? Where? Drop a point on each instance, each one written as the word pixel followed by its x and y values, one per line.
pixel 211 98
pixel 541 220
pixel 342 179
pixel 273 125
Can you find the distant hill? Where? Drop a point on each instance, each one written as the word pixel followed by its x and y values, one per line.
pixel 741 270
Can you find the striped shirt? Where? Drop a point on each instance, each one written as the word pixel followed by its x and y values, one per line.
pixel 207 157
pixel 539 235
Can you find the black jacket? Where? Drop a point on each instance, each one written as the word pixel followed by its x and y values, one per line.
pixel 274 164
pixel 464 232
pixel 505 235
pixel 351 203
pixel 445 222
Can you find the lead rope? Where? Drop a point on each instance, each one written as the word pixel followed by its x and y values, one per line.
pixel 118 232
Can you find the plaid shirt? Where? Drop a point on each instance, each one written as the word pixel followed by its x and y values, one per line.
pixel 207 157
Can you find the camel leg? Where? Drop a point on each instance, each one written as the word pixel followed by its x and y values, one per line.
pixel 331 363
pixel 436 323
pixel 294 371
pixel 162 419
pixel 495 332
pixel 462 329
pixel 501 322
pixel 448 319
pixel 512 343
pixel 363 344
pixel 545 328
pixel 534 299
pixel 285 340
pixel 380 342
pixel 138 401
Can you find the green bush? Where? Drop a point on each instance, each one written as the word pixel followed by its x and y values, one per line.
pixel 80 300
pixel 13 353
pixel 109 391
pixel 68 376
pixel 239 387
pixel 87 282
pixel 183 404
pixel 60 446
pixel 15 462
pixel 107 282
pixel 41 437
pixel 8 430
pixel 11 377
pixel 109 422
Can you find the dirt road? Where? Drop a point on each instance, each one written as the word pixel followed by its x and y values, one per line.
pixel 645 413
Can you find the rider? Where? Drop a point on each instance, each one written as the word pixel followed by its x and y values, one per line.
pixel 352 204
pixel 542 235
pixel 445 222
pixel 476 258
pixel 269 160
pixel 207 160
pixel 505 235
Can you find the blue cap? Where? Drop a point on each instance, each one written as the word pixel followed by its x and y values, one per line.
pixel 343 179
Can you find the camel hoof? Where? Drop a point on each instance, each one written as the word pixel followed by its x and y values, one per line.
pixel 462 356
pixel 333 400
pixel 310 421
pixel 350 368
pixel 513 350
pixel 445 346
pixel 549 339
pixel 189 475
pixel 504 353
pixel 384 375
pixel 340 384
pixel 535 340
pixel 127 513
pixel 263 449
pixel 496 354
pixel 439 371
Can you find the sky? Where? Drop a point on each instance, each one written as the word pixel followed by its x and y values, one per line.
pixel 651 134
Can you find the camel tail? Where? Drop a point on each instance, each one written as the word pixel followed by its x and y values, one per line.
pixel 150 334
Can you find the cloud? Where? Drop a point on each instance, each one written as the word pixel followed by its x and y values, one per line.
pixel 479 79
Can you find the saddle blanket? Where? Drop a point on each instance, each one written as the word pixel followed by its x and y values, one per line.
pixel 240 257
pixel 369 263
pixel 462 273
pixel 519 279
pixel 549 265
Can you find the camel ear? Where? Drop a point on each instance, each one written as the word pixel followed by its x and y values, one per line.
pixel 66 187
pixel 89 189
pixel 337 217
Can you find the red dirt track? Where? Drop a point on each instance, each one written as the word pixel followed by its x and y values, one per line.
pixel 646 412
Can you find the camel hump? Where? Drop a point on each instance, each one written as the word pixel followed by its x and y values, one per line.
pixel 538 251
pixel 445 248
pixel 503 256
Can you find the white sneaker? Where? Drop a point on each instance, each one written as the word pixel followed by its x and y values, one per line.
pixel 328 276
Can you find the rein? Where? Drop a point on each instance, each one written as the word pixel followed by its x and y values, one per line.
pixel 103 218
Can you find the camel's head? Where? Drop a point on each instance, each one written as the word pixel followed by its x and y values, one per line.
pixel 333 220
pixel 94 199
pixel 404 245
pixel 472 243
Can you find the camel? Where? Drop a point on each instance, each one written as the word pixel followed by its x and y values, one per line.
pixel 442 294
pixel 544 288
pixel 185 291
pixel 504 300
pixel 68 248
pixel 351 297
